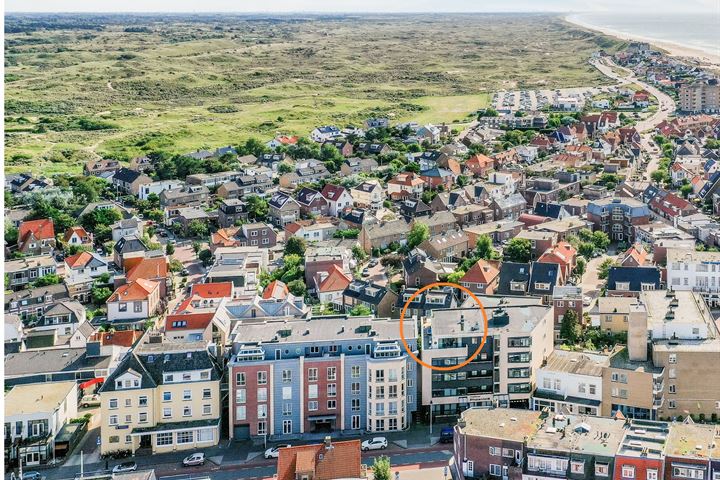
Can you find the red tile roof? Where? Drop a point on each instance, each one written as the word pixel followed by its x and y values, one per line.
pixel 637 253
pixel 147 268
pixel 79 231
pixel 42 229
pixel 79 259
pixel 140 289
pixel 563 254
pixel 530 219
pixel 342 460
pixel 482 272
pixel 188 321
pixel 335 280
pixel 120 338
pixel 332 192
pixel 277 290
pixel 213 290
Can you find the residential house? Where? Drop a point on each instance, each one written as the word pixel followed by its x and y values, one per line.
pixel 97 168
pixel 156 188
pixel 567 297
pixel 82 270
pixel 435 177
pixel 540 242
pixel 311 202
pixel 78 236
pixel 635 256
pixel 211 180
pixel 422 304
pixel 154 269
pixel 481 279
pixel 325 133
pixel 323 258
pixel 34 416
pixel 618 217
pixel 306 172
pixel 127 227
pixel 338 198
pixel 612 314
pixel 405 185
pixel 32 301
pixel 630 281
pixel 141 164
pixel 330 285
pixel 343 146
pixel 134 302
pixel 258 234
pixel 447 247
pixel 57 364
pixel 499 232
pixel 245 185
pixel 58 320
pixel 24 271
pixel 130 181
pixel 381 235
pixel 509 207
pixel 370 148
pixel 231 211
pixel 440 222
pixel 324 460
pixel 450 200
pixel 428 133
pixel 479 165
pixel 188 196
pixel 420 269
pixel 380 300
pixel 36 237
pixel 283 209
pixel 413 208
pixel 368 194
pixel 564 255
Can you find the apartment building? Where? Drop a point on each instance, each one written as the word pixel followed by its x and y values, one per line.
pixel 520 444
pixel 700 96
pixel 618 216
pixel 520 338
pixel 326 374
pixel 690 270
pixel 24 271
pixel 163 397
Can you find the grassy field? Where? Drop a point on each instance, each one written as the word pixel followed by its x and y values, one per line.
pixel 83 87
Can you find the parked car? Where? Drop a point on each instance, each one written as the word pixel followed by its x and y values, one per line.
pixel 377 443
pixel 31 476
pixel 446 435
pixel 274 452
pixel 125 467
pixel 90 401
pixel 185 272
pixel 194 459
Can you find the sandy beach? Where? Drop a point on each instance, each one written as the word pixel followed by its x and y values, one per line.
pixel 697 56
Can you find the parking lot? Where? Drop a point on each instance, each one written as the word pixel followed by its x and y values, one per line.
pixel 530 100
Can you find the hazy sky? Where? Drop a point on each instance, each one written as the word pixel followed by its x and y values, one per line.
pixel 655 6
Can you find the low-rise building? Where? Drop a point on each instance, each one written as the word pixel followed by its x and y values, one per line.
pixel 24 271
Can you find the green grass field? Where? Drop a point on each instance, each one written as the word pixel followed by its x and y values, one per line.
pixel 122 86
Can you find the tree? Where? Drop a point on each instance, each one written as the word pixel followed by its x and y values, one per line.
pixel 518 250
pixel 358 253
pixel 205 257
pixel 297 287
pixel 295 246
pixel 418 234
pixel 169 249
pixel 600 240
pixel 100 295
pixel 381 468
pixel 196 246
pixel 196 228
pixel 49 279
pixel 455 276
pixel 569 327
pixel 586 249
pixel 604 268
pixel 257 207
pixel 686 190
pixel 658 176
pixel 580 267
pixel 484 247
pixel 11 234
pixel 284 168
pixel 360 311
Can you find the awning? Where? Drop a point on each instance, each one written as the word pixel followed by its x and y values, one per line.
pixel 175 426
pixel 321 418
pixel 92 382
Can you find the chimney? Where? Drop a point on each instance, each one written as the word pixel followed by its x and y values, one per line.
pixel 462 322
pixel 328 442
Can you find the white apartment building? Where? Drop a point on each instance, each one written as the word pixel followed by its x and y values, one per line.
pixel 689 270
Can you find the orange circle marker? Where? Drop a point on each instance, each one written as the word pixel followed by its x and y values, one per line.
pixel 402 328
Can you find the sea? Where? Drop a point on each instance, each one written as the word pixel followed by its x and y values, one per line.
pixel 699 31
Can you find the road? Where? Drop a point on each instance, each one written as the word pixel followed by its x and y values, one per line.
pixel 666 107
pixel 168 466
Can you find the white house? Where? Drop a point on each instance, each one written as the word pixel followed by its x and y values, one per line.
pixel 322 134
pixel 570 382
pixel 567 104
pixel 368 194
pixel 158 187
pixel 127 227
pixel 134 301
pixel 338 198
pixel 689 270
pixel 81 271
pixel 604 103
pixel 38 410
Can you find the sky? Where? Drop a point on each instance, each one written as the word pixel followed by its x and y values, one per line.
pixel 280 6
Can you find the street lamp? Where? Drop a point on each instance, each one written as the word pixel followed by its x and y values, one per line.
pixel 431 409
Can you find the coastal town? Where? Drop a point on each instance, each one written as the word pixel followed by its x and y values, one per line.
pixel 534 295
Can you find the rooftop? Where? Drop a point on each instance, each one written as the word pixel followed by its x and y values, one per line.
pixel 578 363
pixel 588 435
pixel 504 423
pixel 36 398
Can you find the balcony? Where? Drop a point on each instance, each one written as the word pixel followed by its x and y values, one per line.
pixel 658 402
pixel 658 387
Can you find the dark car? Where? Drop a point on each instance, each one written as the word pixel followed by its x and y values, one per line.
pixel 446 435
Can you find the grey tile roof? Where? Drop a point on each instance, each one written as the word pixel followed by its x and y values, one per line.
pixel 52 360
